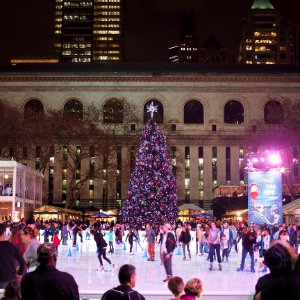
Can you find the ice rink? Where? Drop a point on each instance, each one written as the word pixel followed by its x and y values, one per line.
pixel 82 263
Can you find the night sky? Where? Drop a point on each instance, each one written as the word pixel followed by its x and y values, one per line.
pixel 26 27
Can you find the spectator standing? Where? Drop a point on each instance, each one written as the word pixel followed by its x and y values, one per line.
pixel 29 237
pixel 12 291
pixel 127 279
pixel 193 289
pixel 46 282
pixel 282 282
pixel 176 286
pixel 9 255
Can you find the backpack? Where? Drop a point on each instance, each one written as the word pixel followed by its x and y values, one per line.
pixel 115 294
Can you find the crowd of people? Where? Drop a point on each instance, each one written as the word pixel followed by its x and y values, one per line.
pixel 29 252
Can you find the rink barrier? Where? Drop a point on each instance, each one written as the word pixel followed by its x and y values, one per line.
pixel 152 295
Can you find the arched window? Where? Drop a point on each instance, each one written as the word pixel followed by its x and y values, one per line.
pixel 233 112
pixel 73 109
pixel 193 112
pixel 113 111
pixel 273 112
pixel 33 109
pixel 158 116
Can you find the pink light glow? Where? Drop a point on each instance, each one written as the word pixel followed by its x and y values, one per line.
pixel 274 158
pixel 255 159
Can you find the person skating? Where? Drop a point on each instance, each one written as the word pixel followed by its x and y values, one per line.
pixel 185 239
pixel 168 246
pixel 130 236
pixel 101 249
pixel 214 245
pixel 248 240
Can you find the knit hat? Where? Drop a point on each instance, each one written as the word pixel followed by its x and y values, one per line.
pixel 277 258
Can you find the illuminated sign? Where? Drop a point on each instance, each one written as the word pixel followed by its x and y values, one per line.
pixel 265 197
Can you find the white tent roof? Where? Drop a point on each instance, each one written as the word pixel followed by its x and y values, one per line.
pixel 190 206
pixel 291 206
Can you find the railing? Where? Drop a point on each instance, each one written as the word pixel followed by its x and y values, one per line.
pixel 152 295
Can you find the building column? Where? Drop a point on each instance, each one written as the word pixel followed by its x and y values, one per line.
pixel 84 189
pixel 125 171
pixel 235 167
pixel 180 174
pixel 57 177
pixel 111 179
pixel 221 165
pixel 207 161
pixel 194 175
pixel 98 180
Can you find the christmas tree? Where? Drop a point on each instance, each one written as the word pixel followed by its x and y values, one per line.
pixel 152 193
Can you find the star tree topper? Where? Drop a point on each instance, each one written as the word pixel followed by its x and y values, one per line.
pixel 152 109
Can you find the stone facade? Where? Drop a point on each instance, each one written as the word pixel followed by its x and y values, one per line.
pixel 174 87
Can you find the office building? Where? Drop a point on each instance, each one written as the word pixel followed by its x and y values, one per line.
pixel 89 31
pixel 265 36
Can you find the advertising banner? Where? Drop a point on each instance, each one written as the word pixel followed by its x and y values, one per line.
pixel 265 197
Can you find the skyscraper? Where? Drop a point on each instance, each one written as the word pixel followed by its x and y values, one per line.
pixel 265 36
pixel 188 42
pixel 186 51
pixel 89 31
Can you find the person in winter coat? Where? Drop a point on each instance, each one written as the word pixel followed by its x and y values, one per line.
pixel 294 237
pixel 130 236
pixel 185 239
pixel 56 240
pixel 282 282
pixel 248 240
pixel 127 279
pixel 29 237
pixel 167 247
pixel 101 249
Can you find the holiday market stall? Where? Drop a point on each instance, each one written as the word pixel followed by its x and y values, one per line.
pixel 188 211
pixel 291 212
pixel 47 212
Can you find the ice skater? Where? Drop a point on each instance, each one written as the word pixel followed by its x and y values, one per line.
pixel 130 236
pixel 101 249
pixel 214 245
